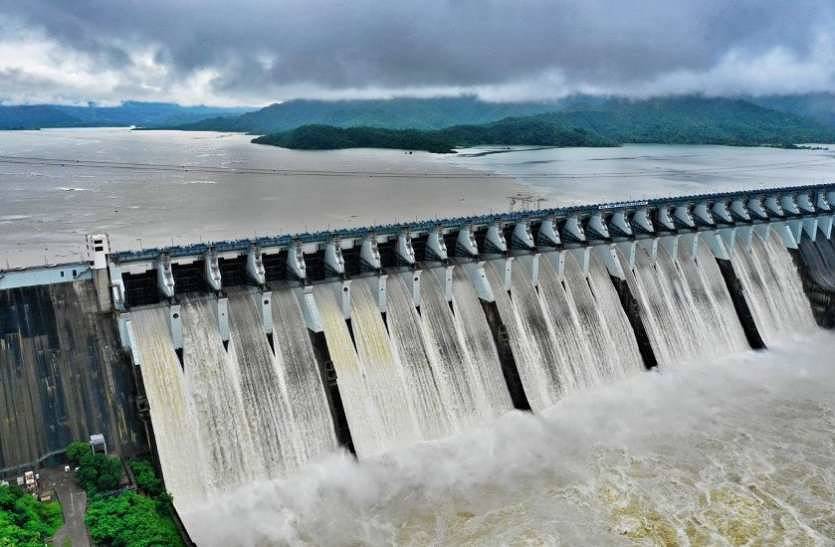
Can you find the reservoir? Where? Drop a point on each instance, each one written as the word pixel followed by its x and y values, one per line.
pixel 47 209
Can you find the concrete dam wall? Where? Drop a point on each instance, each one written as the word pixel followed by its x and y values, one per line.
pixel 237 414
pixel 63 374
pixel 256 357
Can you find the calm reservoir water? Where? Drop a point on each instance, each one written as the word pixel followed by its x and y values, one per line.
pixel 200 186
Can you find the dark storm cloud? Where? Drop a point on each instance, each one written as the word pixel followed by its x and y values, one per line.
pixel 509 47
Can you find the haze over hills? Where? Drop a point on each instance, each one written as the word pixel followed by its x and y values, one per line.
pixel 818 106
pixel 693 120
pixel 129 113
pixel 585 122
pixel 34 117
pixel 399 113
pixel 441 123
pixel 439 113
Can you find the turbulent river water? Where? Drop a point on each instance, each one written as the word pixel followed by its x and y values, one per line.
pixel 719 446
pixel 735 451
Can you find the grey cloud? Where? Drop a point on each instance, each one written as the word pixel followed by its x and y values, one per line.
pixel 268 49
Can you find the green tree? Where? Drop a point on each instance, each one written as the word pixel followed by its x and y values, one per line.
pixel 146 477
pixel 76 450
pixel 131 520
pixel 24 520
pixel 98 472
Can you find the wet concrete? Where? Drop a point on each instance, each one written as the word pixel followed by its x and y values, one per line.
pixel 73 504
pixel 63 376
pixel 816 263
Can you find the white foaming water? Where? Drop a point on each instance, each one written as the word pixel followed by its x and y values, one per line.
pixel 452 373
pixel 732 451
pixel 614 352
pixel 446 353
pixel 772 288
pixel 531 334
pixel 426 376
pixel 213 384
pixel 230 418
pixel 736 451
pixel 204 443
pixel 570 334
pixel 424 381
pixel 685 306
pixel 482 370
pixel 300 381
pixel 174 426
pixel 370 383
pixel 282 395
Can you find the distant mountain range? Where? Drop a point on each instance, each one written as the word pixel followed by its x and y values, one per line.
pixel 403 113
pixel 593 122
pixel 692 120
pixel 565 122
pixel 818 106
pixel 439 113
pixel 136 113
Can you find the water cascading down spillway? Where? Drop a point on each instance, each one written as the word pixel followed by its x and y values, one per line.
pixel 684 304
pixel 772 287
pixel 428 375
pixel 231 416
pixel 428 349
pixel 568 333
pixel 370 381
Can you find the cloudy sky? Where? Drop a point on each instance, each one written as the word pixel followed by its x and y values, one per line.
pixel 252 52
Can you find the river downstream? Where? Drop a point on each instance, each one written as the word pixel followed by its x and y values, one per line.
pixel 740 451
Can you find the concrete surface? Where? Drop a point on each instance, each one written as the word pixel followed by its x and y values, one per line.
pixel 73 503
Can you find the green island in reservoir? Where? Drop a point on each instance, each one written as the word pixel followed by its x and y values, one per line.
pixel 691 120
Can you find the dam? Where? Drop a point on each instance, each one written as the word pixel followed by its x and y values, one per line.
pixel 243 361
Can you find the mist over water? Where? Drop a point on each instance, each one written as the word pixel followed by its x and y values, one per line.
pixel 726 452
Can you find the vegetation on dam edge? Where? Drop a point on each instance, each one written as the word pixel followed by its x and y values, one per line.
pixel 25 521
pixel 123 517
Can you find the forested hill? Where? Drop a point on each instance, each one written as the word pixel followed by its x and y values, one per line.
pixel 529 131
pixel 693 120
pixel 34 117
pixel 402 113
pixel 681 119
pixel 147 114
pixel 672 121
pixel 817 106
pixel 126 114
